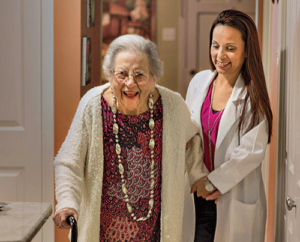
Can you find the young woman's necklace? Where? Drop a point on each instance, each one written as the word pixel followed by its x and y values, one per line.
pixel 121 167
pixel 210 129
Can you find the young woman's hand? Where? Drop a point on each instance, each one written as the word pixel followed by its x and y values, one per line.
pixel 214 196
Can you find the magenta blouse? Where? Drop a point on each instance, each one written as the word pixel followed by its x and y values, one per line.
pixel 214 117
pixel 116 224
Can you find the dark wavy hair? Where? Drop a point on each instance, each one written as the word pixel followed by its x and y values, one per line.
pixel 252 69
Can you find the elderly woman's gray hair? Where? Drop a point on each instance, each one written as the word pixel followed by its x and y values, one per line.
pixel 136 44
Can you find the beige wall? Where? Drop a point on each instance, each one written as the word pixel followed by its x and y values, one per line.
pixel 168 13
pixel 67 41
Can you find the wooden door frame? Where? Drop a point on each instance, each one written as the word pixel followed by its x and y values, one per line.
pixel 275 226
pixel 280 176
pixel 280 186
pixel 182 42
pixel 47 95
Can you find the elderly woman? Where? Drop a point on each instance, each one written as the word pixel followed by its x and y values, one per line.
pixel 120 171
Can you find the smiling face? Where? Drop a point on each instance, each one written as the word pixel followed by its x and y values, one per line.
pixel 132 98
pixel 227 51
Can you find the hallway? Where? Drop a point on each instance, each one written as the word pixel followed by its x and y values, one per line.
pixel 40 88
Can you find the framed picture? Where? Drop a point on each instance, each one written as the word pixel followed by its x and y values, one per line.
pixel 90 21
pixel 86 61
pixel 127 17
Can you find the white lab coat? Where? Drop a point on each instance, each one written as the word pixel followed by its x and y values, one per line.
pixel 241 210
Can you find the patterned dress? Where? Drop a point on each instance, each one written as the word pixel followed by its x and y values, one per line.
pixel 116 224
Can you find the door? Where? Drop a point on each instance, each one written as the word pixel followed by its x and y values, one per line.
pixel 287 147
pixel 26 100
pixel 292 161
pixel 198 17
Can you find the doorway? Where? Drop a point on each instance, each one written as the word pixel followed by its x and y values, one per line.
pixel 196 20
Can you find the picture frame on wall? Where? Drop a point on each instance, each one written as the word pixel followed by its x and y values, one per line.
pixel 90 20
pixel 86 61
pixel 127 17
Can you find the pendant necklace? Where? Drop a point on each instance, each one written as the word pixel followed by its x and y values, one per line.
pixel 121 167
pixel 210 129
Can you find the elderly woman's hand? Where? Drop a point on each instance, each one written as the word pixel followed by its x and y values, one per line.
pixel 199 186
pixel 59 218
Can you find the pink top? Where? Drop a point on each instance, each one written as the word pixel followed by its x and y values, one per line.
pixel 134 135
pixel 204 120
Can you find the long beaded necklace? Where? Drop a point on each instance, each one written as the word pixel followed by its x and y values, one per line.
pixel 210 129
pixel 121 167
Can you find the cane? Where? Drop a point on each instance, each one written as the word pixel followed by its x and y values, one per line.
pixel 71 221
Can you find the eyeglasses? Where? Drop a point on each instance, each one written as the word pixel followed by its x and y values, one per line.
pixel 122 76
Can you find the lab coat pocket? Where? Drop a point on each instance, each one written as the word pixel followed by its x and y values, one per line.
pixel 242 221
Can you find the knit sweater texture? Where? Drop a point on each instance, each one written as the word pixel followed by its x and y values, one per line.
pixel 79 164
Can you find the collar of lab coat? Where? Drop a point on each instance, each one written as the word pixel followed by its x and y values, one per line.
pixel 232 111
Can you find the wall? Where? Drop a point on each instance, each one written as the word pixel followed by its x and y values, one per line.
pixel 168 13
pixel 265 37
pixel 67 42
pixel 273 98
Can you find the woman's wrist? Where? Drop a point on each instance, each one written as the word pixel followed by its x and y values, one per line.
pixel 208 185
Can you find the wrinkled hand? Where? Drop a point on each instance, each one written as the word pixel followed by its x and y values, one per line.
pixel 59 218
pixel 214 196
pixel 200 188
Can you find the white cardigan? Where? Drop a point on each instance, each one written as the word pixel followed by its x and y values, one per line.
pixel 241 210
pixel 79 166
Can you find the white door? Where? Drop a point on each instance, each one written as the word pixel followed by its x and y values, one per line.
pixel 198 16
pixel 292 79
pixel 26 103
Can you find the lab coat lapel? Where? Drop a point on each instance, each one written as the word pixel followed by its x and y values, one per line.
pixel 197 104
pixel 232 111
